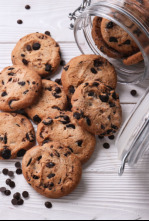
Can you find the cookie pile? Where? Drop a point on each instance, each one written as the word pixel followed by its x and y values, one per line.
pixel 113 41
pixel 66 132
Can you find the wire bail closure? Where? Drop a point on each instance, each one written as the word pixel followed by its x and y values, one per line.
pixel 74 15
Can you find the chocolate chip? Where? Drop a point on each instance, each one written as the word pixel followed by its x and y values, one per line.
pixel 58 90
pixel 127 42
pixel 47 33
pixel 111 137
pixel 22 83
pixel 137 32
pixel 91 94
pixel 48 88
pixel 98 63
pixel 23 55
pixel 25 92
pixel 133 93
pixel 17 196
pixel 11 74
pixel 58 81
pixel 110 25
pixel 4 94
pixel 35 177
pixel 67 154
pixel 20 22
pixel 51 176
pixel 56 95
pixel 25 194
pixel 62 63
pixel 79 143
pixel 24 61
pixel 114 127
pixel 39 158
pixel 7 193
pixel 66 68
pixel 5 172
pixel 71 89
pixel 45 141
pixel 95 84
pixel 113 39
pixel 88 121
pixel 10 103
pixel 8 181
pixel 48 68
pixel 19 171
pixel 30 137
pixel 48 205
pixel 114 95
pixel 106 145
pixel 36 119
pixel 50 165
pixel 6 154
pixel 27 7
pixel 112 104
pixel 29 162
pixel 93 70
pixel 18 165
pixel 21 153
pixel 2 189
pixel 11 174
pixel 47 122
pixel 20 202
pixel 14 202
pixel 71 126
pixel 77 115
pixel 12 184
pixel 104 98
pixel 36 46
pixel 29 48
pixel 100 137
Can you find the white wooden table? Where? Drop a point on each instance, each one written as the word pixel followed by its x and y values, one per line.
pixel 102 194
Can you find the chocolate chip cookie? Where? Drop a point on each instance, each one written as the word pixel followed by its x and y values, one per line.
pixel 39 52
pixel 100 43
pixel 52 99
pixel 97 108
pixel 63 128
pixel 52 170
pixel 16 135
pixel 19 88
pixel 118 38
pixel 85 68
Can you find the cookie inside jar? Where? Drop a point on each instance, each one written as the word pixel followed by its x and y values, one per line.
pixel 118 31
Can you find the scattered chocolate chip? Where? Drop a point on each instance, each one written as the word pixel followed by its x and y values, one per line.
pixel 2 189
pixel 6 154
pixel 20 22
pixel 112 104
pixel 45 141
pixel 58 90
pixel 11 74
pixel 51 176
pixel 104 98
pixel 30 137
pixel 93 70
pixel 113 39
pixel 17 196
pixel 62 63
pixel 133 93
pixel 27 7
pixel 98 63
pixel 95 84
pixel 115 96
pixel 91 94
pixel 36 46
pixel 23 55
pixel 24 61
pixel 25 194
pixel 100 137
pixel 4 94
pixel 14 202
pixel 48 68
pixel 56 95
pixel 50 165
pixel 25 92
pixel 20 202
pixel 106 145
pixel 47 122
pixel 19 171
pixel 66 68
pixel 18 165
pixel 7 193
pixel 48 205
pixel 36 119
pixel 110 25
pixel 11 174
pixel 71 89
pixel 22 83
pixel 29 162
pixel 47 33
pixel 12 184
pixel 8 181
pixel 5 172
pixel 35 177
pixel 111 137
pixel 21 153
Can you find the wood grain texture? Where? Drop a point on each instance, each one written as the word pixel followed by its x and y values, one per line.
pixel 101 195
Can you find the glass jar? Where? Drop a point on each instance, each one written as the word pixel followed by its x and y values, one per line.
pixel 133 139
pixel 130 15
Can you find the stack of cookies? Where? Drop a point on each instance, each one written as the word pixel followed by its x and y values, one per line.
pixel 114 42
pixel 65 135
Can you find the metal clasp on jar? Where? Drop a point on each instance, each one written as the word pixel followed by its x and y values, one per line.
pixel 73 16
